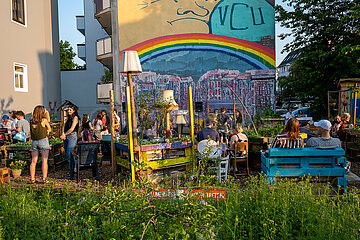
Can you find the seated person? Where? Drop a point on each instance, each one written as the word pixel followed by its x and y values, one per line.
pixel 345 121
pixel 305 128
pixel 238 136
pixel 207 132
pixel 291 139
pixel 324 141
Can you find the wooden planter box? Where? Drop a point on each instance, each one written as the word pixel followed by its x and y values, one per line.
pixel 156 160
pixel 56 153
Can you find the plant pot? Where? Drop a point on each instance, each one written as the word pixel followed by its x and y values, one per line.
pixel 16 173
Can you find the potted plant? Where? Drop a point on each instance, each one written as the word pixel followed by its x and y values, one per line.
pixel 16 167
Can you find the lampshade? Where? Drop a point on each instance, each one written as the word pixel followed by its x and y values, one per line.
pixel 130 62
pixel 168 96
pixel 179 119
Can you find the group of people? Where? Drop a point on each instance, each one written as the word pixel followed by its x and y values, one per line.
pixel 76 129
pixel 38 128
pixel 15 122
pixel 223 129
pixel 289 138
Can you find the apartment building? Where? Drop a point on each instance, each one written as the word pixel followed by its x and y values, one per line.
pixel 29 63
pixel 80 85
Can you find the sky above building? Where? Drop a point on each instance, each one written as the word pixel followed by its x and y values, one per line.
pixel 69 9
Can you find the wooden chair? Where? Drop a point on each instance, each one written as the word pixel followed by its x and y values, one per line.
pixel 87 154
pixel 4 175
pixel 241 154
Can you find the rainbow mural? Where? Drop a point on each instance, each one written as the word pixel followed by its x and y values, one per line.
pixel 258 56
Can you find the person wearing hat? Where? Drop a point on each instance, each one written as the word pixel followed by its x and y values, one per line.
pixel 6 123
pixel 325 141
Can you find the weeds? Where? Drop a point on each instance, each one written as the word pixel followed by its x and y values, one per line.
pixel 291 210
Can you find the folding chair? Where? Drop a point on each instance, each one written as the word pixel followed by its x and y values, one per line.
pixel 87 154
pixel 241 154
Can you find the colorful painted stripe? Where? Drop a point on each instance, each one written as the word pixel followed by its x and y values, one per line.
pixel 255 54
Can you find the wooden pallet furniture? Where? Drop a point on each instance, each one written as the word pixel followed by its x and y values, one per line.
pixel 298 162
pixel 4 175
pixel 157 159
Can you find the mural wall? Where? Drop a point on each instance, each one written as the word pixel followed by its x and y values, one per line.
pixel 187 42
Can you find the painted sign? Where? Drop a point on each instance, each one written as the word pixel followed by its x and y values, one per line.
pixel 181 193
pixel 180 41
pixel 165 146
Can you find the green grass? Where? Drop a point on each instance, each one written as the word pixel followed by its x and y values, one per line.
pixel 291 210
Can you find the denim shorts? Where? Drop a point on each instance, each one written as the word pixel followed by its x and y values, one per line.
pixel 40 145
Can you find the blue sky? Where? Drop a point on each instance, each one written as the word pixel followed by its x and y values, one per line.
pixel 68 9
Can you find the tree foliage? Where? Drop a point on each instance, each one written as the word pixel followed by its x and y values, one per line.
pixel 326 33
pixel 107 77
pixel 66 56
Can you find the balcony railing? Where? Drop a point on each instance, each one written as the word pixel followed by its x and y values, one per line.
pixel 103 92
pixel 80 24
pixel 101 5
pixel 103 46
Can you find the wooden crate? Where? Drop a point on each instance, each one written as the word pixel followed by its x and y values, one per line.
pixel 4 175
pixel 298 162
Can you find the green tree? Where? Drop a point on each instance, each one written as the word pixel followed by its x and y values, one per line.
pixel 66 56
pixel 324 31
pixel 107 77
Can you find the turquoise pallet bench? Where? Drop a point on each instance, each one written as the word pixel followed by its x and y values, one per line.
pixel 298 162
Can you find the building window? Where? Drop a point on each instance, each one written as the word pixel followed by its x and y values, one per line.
pixel 18 11
pixel 20 77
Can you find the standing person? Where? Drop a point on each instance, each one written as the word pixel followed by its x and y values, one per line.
pixel 223 126
pixel 324 141
pixel 39 129
pixel 69 135
pixel 22 124
pixel 105 120
pixel 98 127
pixel 288 115
pixel 238 117
pixel 86 129
pixel 291 138
pixel 14 122
pixel 7 124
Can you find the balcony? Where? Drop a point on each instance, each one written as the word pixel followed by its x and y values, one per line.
pixel 80 24
pixel 103 92
pixel 81 51
pixel 103 14
pixel 104 52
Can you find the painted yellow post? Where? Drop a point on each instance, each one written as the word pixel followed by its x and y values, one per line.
pixel 191 117
pixel 130 137
pixel 112 131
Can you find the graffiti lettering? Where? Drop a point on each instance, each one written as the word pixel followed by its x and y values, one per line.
pixel 232 16
pixel 237 12
pixel 261 16
pixel 223 16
